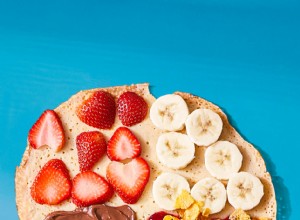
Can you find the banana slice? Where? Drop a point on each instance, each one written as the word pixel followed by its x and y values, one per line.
pixel 175 150
pixel 222 159
pixel 204 127
pixel 244 190
pixel 212 192
pixel 169 112
pixel 166 188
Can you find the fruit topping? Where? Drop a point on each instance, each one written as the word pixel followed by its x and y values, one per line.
pixel 244 190
pixel 169 112
pixel 175 150
pixel 163 216
pixel 222 159
pixel 90 188
pixel 91 146
pixel 128 180
pixel 204 127
pixel 52 184
pixel 132 108
pixel 171 192
pixel 47 130
pixel 167 187
pixel 123 145
pixel 211 192
pixel 98 111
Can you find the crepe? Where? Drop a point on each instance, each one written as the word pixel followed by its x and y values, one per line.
pixel 147 134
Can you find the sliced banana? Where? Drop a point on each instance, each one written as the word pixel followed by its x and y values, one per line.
pixel 204 127
pixel 169 112
pixel 175 150
pixel 212 192
pixel 167 187
pixel 244 190
pixel 222 159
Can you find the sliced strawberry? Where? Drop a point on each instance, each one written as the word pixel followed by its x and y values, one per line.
pixel 52 184
pixel 128 180
pixel 47 130
pixel 132 108
pixel 91 146
pixel 123 145
pixel 98 111
pixel 90 188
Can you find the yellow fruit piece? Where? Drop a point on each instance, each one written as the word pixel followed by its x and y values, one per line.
pixel 170 217
pixel 239 214
pixel 192 212
pixel 184 200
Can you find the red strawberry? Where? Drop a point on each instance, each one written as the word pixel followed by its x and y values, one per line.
pixel 90 188
pixel 52 184
pixel 128 180
pixel 47 130
pixel 91 146
pixel 123 145
pixel 132 108
pixel 98 111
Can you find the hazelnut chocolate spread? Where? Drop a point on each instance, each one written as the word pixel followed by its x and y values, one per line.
pixel 95 212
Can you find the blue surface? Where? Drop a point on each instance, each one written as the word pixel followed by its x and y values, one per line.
pixel 242 55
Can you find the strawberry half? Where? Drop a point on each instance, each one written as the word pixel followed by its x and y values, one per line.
pixel 123 145
pixel 90 188
pixel 128 180
pixel 47 130
pixel 52 184
pixel 132 108
pixel 91 146
pixel 98 111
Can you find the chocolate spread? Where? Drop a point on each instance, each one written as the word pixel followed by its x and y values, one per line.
pixel 95 212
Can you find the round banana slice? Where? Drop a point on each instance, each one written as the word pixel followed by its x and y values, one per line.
pixel 222 159
pixel 175 150
pixel 244 191
pixel 204 127
pixel 169 112
pixel 166 188
pixel 212 192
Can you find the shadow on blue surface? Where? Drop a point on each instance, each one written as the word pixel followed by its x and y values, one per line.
pixel 282 193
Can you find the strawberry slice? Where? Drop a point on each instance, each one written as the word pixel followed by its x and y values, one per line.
pixel 52 185
pixel 123 145
pixel 91 146
pixel 132 108
pixel 47 130
pixel 98 111
pixel 128 180
pixel 90 188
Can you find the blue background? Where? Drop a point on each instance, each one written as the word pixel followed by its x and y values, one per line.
pixel 242 55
